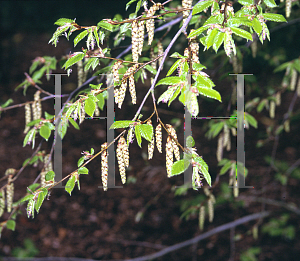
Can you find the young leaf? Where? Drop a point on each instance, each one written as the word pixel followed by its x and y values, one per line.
pixel 70 184
pixel 242 33
pixel 146 131
pixel 11 224
pixel 74 123
pixel 105 25
pixel 78 56
pixel 169 80
pixel 40 199
pixel 150 69
pixel 256 26
pixel 83 170
pixel 274 17
pixel 50 175
pixel 101 101
pixel 201 6
pixel 121 124
pixel 208 92
pixel 190 142
pixel 226 167
pixel 246 2
pixel 45 132
pixel 63 21
pixel 138 135
pixel 252 121
pixel 179 167
pixel 80 161
pixel 203 169
pixel 89 106
pixel 219 38
pixel 211 38
pixel 270 3
pixel 79 37
pixel 174 67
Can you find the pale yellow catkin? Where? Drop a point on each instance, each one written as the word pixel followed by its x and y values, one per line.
pixel 9 189
pixel 288 8
pixel 2 201
pixel 278 98
pixel 104 166
pixel 82 114
pixel 220 148
pixel 150 22
pixel 121 162
pixel 150 144
pixel 174 144
pixel 298 88
pixel 210 207
pixel 153 63
pixel 293 80
pixel 27 117
pixel 196 177
pixel 201 217
pixel 37 106
pixel 135 41
pixel 115 71
pixel 80 73
pixel 236 190
pixel 158 137
pixel 141 32
pixel 254 48
pixel 272 109
pixel 186 4
pixel 169 156
pixel 286 126
pixel 160 51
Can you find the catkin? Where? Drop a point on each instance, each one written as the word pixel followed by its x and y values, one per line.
pixel 158 137
pixel 220 148
pixel 169 156
pixel 9 188
pixel 210 207
pixel 288 8
pixel 153 63
pixel 293 80
pixel 225 135
pixel 150 22
pixel 80 73
pixel 236 190
pixel 27 117
pixel 278 98
pixel 150 144
pixel 81 114
pixel 141 32
pixel 135 41
pixel 121 162
pixel 272 109
pixel 97 111
pixel 115 71
pixel 160 51
pixel 196 177
pixel 286 126
pixel 201 217
pixel 174 144
pixel 254 48
pixel 104 166
pixel 37 106
pixel 2 201
pixel 47 167
pixel 186 4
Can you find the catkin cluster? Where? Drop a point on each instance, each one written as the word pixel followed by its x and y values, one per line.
pixel 137 39
pixel 115 71
pixel 288 8
pixel 186 4
pixel 47 167
pixel 158 137
pixel 123 158
pixel 2 201
pixel 37 106
pixel 27 117
pixel 150 22
pixel 171 147
pixel 120 93
pixel 104 166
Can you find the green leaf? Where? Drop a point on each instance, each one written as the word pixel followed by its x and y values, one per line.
pixel 78 56
pixel 83 170
pixel 50 175
pixel 138 135
pixel 11 224
pixel 192 104
pixel 48 116
pixel 190 142
pixel 146 131
pixel 238 21
pixel 174 67
pixel 198 66
pixel 79 37
pixel 211 93
pixel 203 169
pixel 62 127
pixel 40 200
pixel 80 161
pixel 246 2
pixel 219 38
pixel 32 123
pixel 89 106
pixel 270 3
pixel 129 3
pixel 63 21
pixel 197 31
pixel 274 17
pixel 28 137
pixel 121 124
pixel 105 25
pixel 252 121
pixel 26 198
pixel 74 123
pixel 211 37
pixel 169 80
pixel 179 167
pixel 7 103
pixel 92 62
pixel 45 132
pixel 175 94
pixel 242 33
pixel 101 101
pixel 226 167
pixel 201 6
pixel 256 26
pixel 70 184
pixel 150 69
pixel 177 55
pixel 95 31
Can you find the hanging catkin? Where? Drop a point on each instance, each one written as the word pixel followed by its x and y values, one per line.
pixel 174 144
pixel 141 32
pixel 9 188
pixel 158 137
pixel 27 117
pixel 120 157
pixel 150 144
pixel 150 22
pixel 186 4
pixel 115 71
pixel 135 41
pixel 169 156
pixel 104 166
pixel 2 201
pixel 160 51
pixel 37 106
